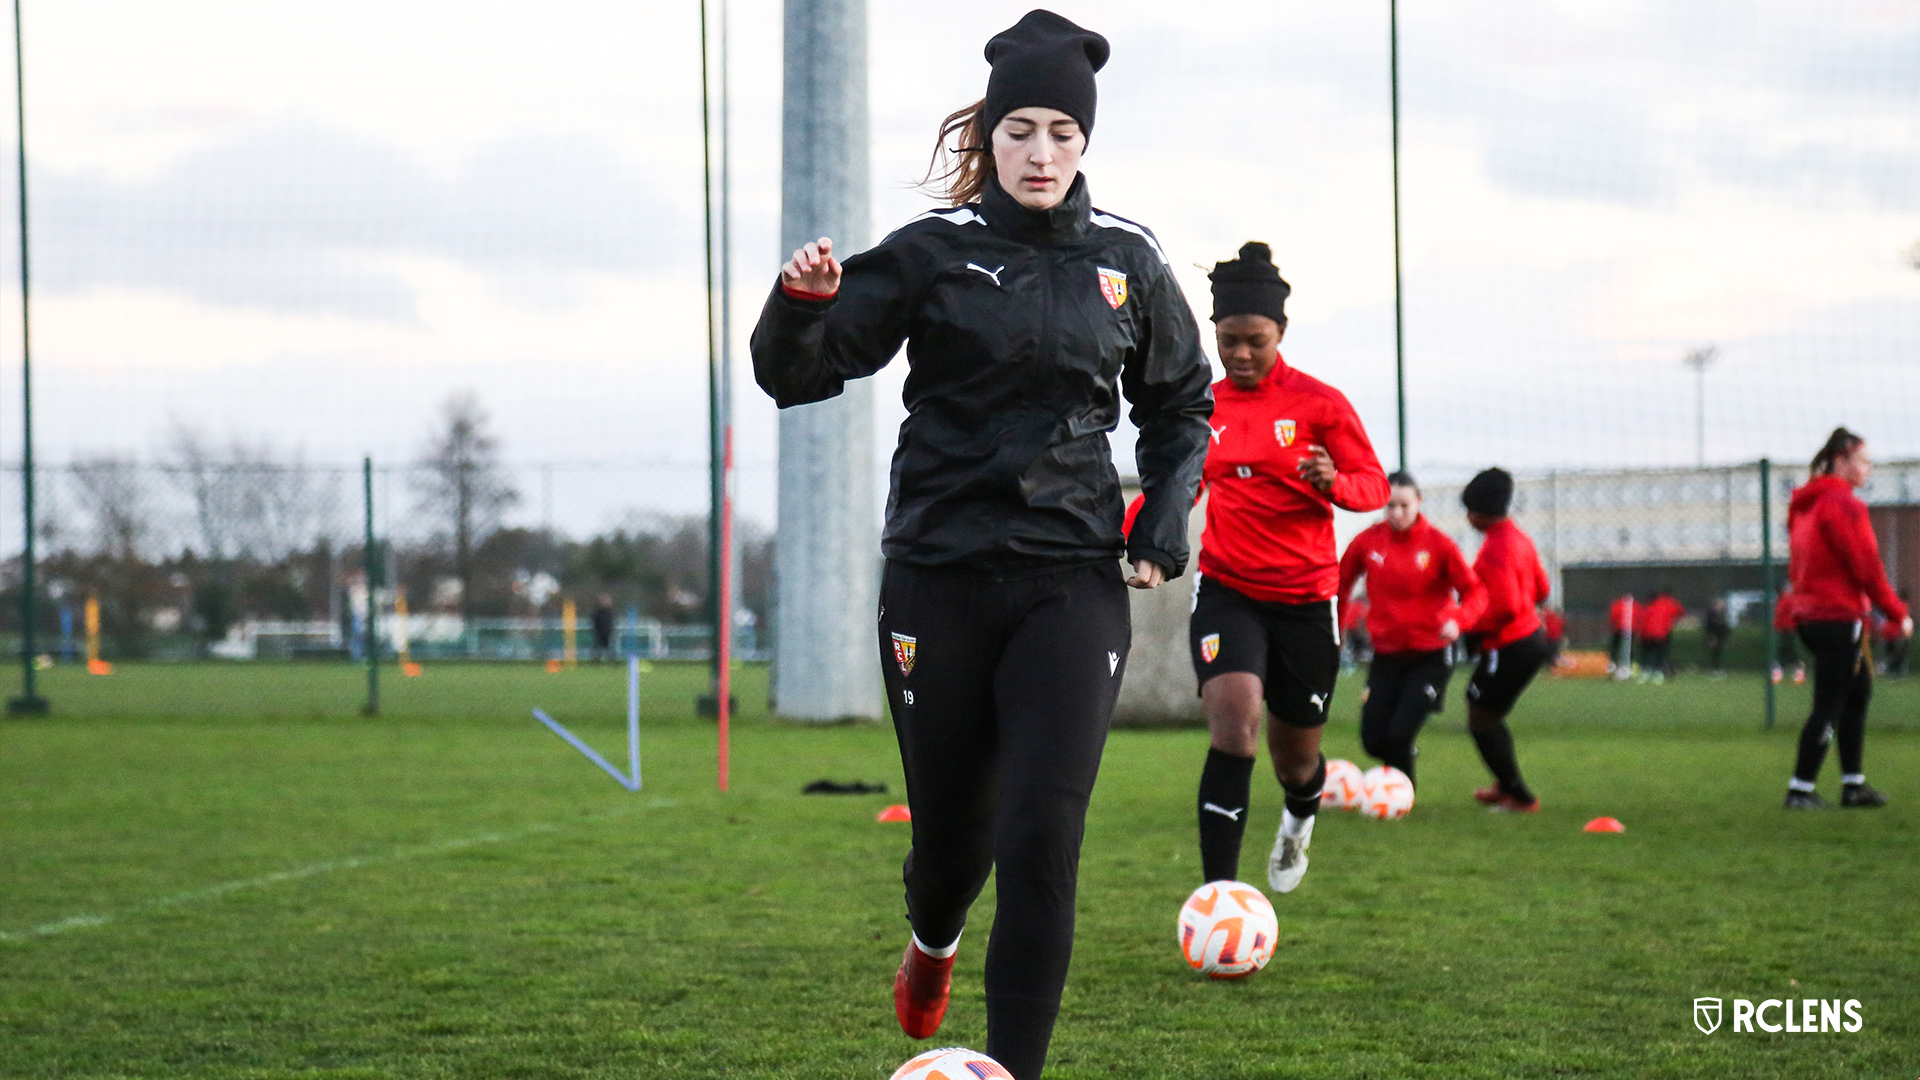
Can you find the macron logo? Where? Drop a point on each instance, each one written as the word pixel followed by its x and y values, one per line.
pixel 1113 663
pixel 993 273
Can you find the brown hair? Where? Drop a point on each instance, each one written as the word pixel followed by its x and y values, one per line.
pixel 959 173
pixel 1839 444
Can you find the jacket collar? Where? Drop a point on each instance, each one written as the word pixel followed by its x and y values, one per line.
pixel 1069 219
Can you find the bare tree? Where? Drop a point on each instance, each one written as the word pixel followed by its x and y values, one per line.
pixel 250 500
pixel 461 484
pixel 110 492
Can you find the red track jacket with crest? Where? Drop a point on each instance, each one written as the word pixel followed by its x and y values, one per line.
pixel 1835 563
pixel 1516 585
pixel 1412 577
pixel 1269 533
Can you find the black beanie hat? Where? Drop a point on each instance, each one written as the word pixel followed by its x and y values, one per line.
pixel 1489 493
pixel 1250 285
pixel 1043 60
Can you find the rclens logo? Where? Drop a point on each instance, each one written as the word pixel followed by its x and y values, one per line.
pixel 1800 1016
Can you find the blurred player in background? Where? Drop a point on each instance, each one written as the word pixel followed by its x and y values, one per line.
pixel 1656 621
pixel 1620 645
pixel 1422 592
pixel 1838 579
pixel 1513 643
pixel 1287 449
pixel 1004 623
pixel 1715 630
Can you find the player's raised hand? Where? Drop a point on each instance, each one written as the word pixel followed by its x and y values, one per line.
pixel 813 269
pixel 1317 468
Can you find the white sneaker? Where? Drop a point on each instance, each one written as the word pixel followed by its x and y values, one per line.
pixel 1288 863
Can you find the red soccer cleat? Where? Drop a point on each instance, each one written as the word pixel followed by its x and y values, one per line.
pixel 1507 804
pixel 1488 795
pixel 920 991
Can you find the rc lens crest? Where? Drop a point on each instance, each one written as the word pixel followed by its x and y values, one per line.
pixel 1284 431
pixel 1209 648
pixel 1113 286
pixel 903 652
pixel 1706 1015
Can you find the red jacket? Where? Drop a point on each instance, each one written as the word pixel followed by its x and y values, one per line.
pixel 1834 561
pixel 1658 617
pixel 1555 623
pixel 1269 533
pixel 1620 616
pixel 1516 585
pixel 1411 577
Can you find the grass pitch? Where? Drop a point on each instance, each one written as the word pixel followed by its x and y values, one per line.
pixel 216 871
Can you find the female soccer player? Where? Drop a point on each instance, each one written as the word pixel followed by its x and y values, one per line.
pixel 1838 578
pixel 1513 643
pixel 1287 449
pixel 1414 573
pixel 1004 622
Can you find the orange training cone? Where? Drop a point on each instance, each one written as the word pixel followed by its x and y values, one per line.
pixel 896 812
pixel 1605 824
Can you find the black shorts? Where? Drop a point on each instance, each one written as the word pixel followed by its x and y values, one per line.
pixel 1294 649
pixel 1503 673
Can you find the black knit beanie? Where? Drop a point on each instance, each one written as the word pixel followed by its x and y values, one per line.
pixel 1043 60
pixel 1489 493
pixel 1250 285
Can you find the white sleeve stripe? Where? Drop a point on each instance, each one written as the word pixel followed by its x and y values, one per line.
pixel 959 215
pixel 1105 220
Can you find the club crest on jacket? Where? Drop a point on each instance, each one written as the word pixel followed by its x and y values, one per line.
pixel 1113 286
pixel 903 651
pixel 1284 431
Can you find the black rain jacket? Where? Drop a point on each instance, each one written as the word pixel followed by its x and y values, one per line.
pixel 1023 327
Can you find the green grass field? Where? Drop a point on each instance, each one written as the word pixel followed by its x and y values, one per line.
pixel 213 871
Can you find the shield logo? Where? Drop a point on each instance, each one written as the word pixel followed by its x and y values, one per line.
pixel 1421 559
pixel 1113 286
pixel 1209 647
pixel 1283 430
pixel 1706 1015
pixel 903 650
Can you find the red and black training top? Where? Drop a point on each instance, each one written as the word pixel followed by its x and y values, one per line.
pixel 1834 563
pixel 1516 585
pixel 1656 620
pixel 1269 533
pixel 1412 578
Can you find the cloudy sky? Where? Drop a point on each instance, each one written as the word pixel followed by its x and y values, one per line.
pixel 311 224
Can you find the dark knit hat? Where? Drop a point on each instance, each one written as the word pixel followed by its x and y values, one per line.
pixel 1250 285
pixel 1489 493
pixel 1043 60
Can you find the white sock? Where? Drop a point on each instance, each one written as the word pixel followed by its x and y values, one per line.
pixel 936 954
pixel 1854 779
pixel 1797 784
pixel 1298 828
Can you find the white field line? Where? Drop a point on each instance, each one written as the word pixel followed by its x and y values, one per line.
pixel 212 892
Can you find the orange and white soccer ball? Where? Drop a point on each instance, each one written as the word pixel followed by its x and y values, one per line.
pixel 952 1063
pixel 1227 930
pixel 1343 787
pixel 1386 793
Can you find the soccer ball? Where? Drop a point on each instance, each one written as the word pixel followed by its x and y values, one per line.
pixel 1343 787
pixel 952 1063
pixel 1227 930
pixel 1385 793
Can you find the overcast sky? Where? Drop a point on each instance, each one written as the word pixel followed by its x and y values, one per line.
pixel 310 224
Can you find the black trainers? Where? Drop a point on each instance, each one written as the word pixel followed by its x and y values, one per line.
pixel 1861 795
pixel 1805 800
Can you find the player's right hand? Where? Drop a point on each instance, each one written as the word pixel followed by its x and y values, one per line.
pixel 1906 627
pixel 813 269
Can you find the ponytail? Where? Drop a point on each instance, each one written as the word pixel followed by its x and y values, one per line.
pixel 960 173
pixel 1839 444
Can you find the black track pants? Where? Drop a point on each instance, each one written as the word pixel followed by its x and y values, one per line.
pixel 1842 687
pixel 1403 689
pixel 1001 692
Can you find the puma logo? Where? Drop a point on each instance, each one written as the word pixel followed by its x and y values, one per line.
pixel 1432 694
pixel 993 273
pixel 1230 815
pixel 1319 701
pixel 1217 431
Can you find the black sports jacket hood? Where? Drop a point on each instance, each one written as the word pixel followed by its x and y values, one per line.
pixel 1023 329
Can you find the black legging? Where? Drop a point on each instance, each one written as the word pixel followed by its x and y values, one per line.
pixel 1001 692
pixel 1842 687
pixel 1403 689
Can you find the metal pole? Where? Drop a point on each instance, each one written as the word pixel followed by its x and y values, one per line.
pixel 369 562
pixel 827 561
pixel 29 703
pixel 1399 315
pixel 716 434
pixel 1766 577
pixel 723 644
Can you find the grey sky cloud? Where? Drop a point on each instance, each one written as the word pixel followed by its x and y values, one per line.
pixel 296 218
